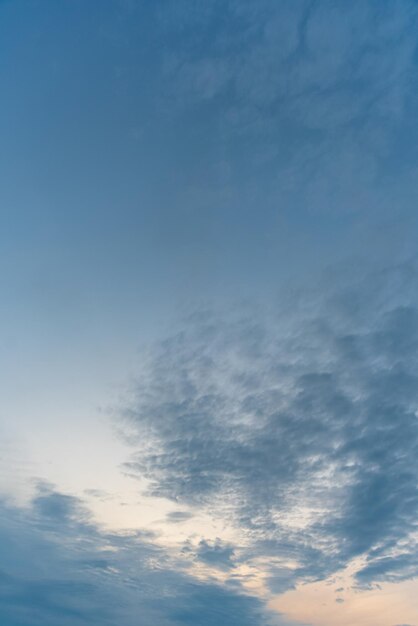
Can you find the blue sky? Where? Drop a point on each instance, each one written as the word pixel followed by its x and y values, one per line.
pixel 208 236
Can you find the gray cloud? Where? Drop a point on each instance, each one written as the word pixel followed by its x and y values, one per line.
pixel 217 554
pixel 176 517
pixel 58 569
pixel 302 429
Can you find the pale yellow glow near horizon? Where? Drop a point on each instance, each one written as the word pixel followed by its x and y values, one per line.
pixel 391 605
pixel 79 461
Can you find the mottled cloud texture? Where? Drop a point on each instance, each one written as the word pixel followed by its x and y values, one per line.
pixel 57 567
pixel 301 429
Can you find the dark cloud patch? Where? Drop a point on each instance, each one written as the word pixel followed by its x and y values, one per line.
pixel 56 507
pixel 215 606
pixel 176 517
pixel 395 567
pixel 217 554
pixel 301 429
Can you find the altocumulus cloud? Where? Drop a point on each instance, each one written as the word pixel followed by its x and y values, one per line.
pixel 301 430
pixel 58 569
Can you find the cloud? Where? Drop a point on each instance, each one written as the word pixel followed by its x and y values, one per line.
pixel 309 97
pixel 213 606
pixel 300 430
pixel 177 517
pixel 216 554
pixel 59 569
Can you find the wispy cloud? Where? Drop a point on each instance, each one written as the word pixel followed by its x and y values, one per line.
pixel 308 97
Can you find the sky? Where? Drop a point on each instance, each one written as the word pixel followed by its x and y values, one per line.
pixel 209 313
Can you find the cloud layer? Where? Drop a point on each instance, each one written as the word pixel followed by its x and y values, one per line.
pixel 306 101
pixel 300 429
pixel 58 568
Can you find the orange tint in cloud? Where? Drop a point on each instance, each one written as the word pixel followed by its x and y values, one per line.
pixel 320 604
